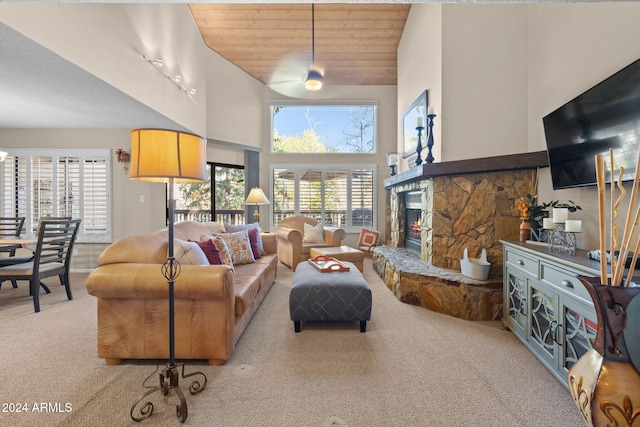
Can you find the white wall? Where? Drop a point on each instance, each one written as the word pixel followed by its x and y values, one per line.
pixel 420 68
pixel 109 40
pixel 235 103
pixel 505 66
pixel 572 48
pixel 484 80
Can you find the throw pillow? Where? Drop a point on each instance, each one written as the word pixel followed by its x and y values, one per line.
pixel 211 251
pixel 239 247
pixel 368 238
pixel 189 253
pixel 231 228
pixel 253 239
pixel 225 254
pixel 313 234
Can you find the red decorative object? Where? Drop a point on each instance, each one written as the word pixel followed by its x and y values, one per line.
pixel 325 264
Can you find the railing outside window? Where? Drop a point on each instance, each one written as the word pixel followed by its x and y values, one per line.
pixel 222 216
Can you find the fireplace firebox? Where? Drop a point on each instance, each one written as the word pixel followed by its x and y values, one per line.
pixel 413 221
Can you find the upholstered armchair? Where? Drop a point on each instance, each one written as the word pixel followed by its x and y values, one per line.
pixel 294 244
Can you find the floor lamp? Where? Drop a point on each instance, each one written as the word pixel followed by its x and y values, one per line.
pixel 256 198
pixel 168 156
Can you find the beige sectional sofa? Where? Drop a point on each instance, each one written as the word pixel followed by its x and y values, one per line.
pixel 213 303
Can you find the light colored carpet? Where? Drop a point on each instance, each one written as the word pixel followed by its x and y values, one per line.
pixel 412 367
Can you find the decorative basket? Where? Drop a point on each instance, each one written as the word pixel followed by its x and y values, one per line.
pixel 475 268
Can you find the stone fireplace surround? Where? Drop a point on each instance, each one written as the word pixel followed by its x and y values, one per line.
pixel 468 203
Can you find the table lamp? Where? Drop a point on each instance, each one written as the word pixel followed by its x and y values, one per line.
pixel 257 197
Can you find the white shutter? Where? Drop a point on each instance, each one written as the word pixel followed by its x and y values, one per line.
pixel 339 197
pixel 59 183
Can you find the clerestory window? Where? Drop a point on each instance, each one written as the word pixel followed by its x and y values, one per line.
pixel 323 128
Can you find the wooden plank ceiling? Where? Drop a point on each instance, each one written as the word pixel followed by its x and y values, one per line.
pixel 355 44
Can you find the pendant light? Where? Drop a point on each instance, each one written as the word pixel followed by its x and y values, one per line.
pixel 313 80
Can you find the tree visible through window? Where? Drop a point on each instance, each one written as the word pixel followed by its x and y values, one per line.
pixel 225 204
pixel 337 196
pixel 323 128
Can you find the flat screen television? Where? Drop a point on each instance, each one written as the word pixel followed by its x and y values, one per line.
pixel 605 116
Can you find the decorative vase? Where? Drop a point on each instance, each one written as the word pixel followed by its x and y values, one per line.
pixel 605 381
pixel 525 230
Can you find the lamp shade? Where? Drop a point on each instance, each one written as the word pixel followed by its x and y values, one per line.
pixel 3 155
pixel 159 154
pixel 257 197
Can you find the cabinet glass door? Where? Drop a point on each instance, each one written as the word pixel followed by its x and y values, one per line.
pixel 580 326
pixel 544 322
pixel 516 301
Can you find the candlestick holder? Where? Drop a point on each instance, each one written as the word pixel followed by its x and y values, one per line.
pixel 419 147
pixel 561 240
pixel 430 158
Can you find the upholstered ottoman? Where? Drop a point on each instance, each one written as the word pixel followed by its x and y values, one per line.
pixel 341 253
pixel 337 296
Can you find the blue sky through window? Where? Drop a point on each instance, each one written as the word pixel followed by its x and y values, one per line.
pixel 329 121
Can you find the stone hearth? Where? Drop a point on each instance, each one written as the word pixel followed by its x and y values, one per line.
pixel 465 204
pixel 416 282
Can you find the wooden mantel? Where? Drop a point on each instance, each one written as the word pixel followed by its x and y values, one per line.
pixel 537 159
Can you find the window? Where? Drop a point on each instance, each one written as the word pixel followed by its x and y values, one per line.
pixel 328 128
pixel 197 202
pixel 337 196
pixel 76 183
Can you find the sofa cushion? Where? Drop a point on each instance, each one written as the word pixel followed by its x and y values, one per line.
pixel 189 253
pixel 306 248
pixel 313 233
pixel 211 252
pixel 232 228
pixel 220 244
pixel 248 280
pixel 255 246
pixel 239 246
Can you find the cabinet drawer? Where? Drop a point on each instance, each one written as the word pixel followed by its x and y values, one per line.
pixel 521 262
pixel 565 280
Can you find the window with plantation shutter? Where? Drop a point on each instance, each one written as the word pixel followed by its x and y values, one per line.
pixel 58 183
pixel 336 196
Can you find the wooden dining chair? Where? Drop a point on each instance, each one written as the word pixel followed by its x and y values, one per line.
pixel 52 257
pixel 10 227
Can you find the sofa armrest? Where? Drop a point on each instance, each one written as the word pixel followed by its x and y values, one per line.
pixel 130 280
pixel 269 243
pixel 334 235
pixel 289 234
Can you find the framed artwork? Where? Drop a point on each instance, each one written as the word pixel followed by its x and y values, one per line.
pixel 410 122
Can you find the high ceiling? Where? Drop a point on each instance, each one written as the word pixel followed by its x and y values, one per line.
pixel 355 44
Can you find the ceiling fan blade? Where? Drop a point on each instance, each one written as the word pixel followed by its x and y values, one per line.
pixel 288 76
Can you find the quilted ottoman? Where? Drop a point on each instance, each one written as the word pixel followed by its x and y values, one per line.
pixel 337 296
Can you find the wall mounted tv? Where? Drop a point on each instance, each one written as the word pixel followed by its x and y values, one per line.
pixel 605 116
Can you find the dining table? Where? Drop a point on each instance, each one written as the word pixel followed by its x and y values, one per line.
pixel 26 242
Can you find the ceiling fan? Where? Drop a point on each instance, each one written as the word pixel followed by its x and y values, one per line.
pixel 293 77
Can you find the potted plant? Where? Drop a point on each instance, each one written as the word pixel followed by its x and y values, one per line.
pixel 535 213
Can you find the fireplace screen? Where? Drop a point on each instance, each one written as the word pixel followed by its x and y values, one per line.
pixel 413 221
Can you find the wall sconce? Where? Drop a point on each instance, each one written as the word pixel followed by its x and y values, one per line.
pixel 123 157
pixel 392 162
pixel 158 64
